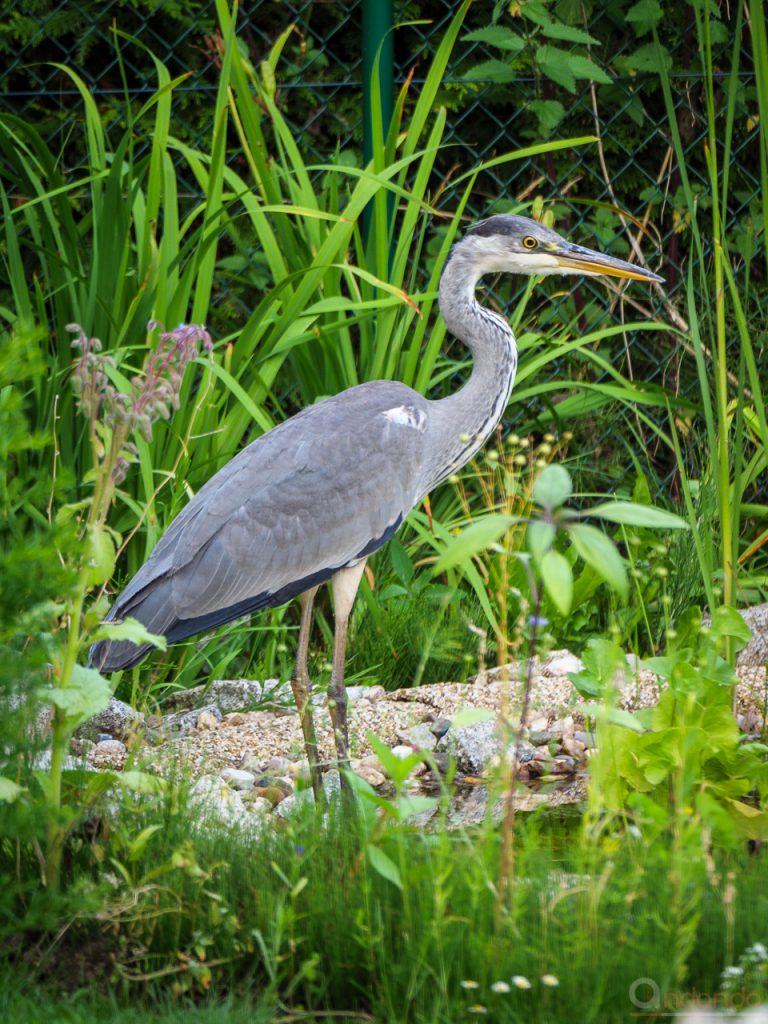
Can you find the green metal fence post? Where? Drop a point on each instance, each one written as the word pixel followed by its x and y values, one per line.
pixel 378 26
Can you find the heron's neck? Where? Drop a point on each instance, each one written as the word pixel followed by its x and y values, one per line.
pixel 465 419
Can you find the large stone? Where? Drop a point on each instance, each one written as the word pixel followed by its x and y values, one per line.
pixel 473 746
pixel 118 719
pixel 225 694
pixel 238 779
pixel 219 805
pixel 420 737
pixel 108 754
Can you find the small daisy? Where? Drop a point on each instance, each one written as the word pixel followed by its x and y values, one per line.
pixel 477 1008
pixel 549 980
pixel 469 984
pixel 500 986
pixel 519 981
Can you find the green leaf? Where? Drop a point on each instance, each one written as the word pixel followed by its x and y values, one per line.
pixel 9 790
pixel 645 58
pixel 631 514
pixel 617 716
pixel 100 557
pixel 141 782
pixel 583 67
pixel 599 552
pixel 478 536
pixel 401 563
pixel 726 622
pixel 129 629
pixel 407 806
pixel 384 866
pixel 497 35
pixel 470 716
pixel 568 33
pixel 554 64
pixel 88 693
pixel 491 71
pixel 602 661
pixel 644 15
pixel 558 580
pixel 540 536
pixel 549 114
pixel 552 487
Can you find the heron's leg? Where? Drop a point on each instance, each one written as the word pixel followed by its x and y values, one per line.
pixel 345 584
pixel 302 689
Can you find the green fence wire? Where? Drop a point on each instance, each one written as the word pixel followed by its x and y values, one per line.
pixel 320 90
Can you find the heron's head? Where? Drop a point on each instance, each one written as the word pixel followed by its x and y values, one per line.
pixel 522 246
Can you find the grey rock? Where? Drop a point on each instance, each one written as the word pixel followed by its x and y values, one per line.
pixel 181 723
pixel 540 739
pixel 473 746
pixel 218 805
pixel 225 694
pixel 238 779
pixel 108 754
pixel 587 738
pixel 419 736
pixel 118 719
pixel 42 763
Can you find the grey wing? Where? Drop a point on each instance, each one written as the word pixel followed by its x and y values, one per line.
pixel 320 491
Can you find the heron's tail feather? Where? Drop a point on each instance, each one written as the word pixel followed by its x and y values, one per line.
pixel 153 609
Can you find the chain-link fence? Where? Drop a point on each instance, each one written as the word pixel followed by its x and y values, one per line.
pixel 510 82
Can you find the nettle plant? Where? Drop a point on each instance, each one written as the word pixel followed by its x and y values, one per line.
pixel 119 418
pixel 558 540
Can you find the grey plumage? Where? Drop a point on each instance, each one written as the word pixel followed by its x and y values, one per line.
pixel 311 499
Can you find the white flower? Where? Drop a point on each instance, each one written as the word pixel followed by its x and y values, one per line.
pixel 500 986
pixel 519 981
pixel 733 972
pixel 549 980
pixel 469 984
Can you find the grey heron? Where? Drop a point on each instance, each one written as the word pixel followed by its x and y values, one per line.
pixel 310 500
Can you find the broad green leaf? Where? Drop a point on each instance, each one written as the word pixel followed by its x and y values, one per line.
pixel 384 866
pixel 88 693
pixel 540 536
pixel 617 716
pixel 9 790
pixel 631 514
pixel 497 35
pixel 549 114
pixel 599 552
pixel 552 487
pixel 491 71
pixel 554 64
pixel 100 555
pixel 568 33
pixel 557 577
pixel 470 716
pixel 645 58
pixel 141 782
pixel 129 629
pixel 478 536
pixel 602 661
pixel 407 806
pixel 644 15
pixel 401 563
pixel 583 67
pixel 726 622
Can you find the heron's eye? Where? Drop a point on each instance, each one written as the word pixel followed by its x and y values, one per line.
pixel 530 242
